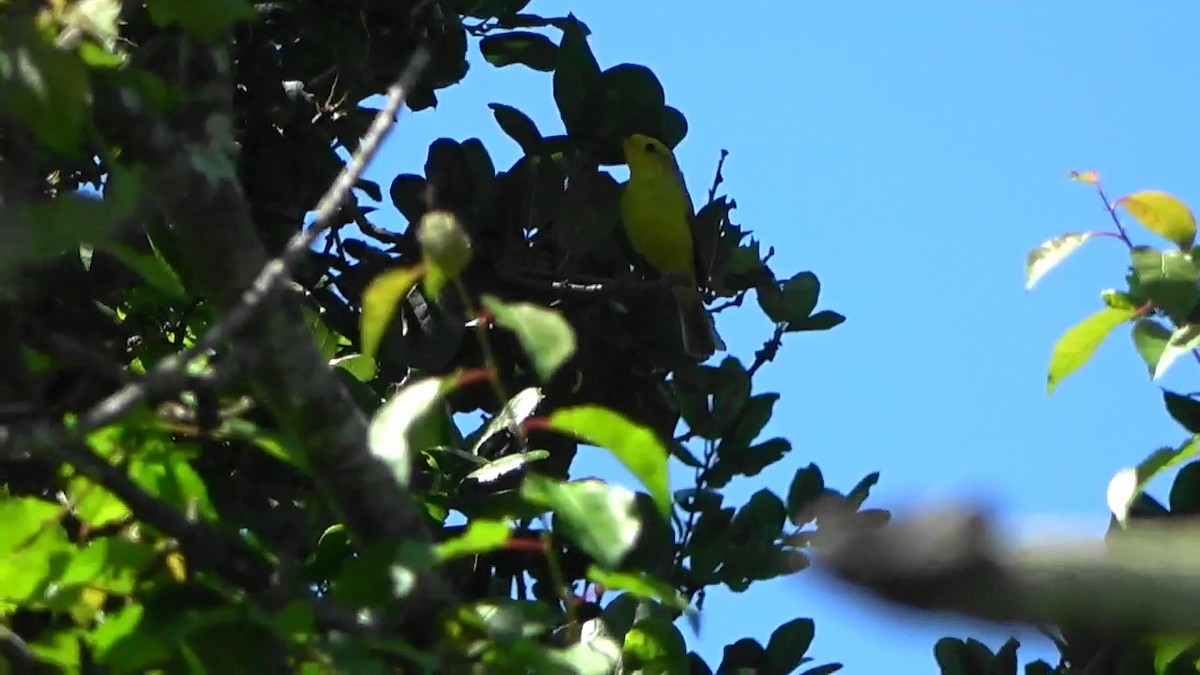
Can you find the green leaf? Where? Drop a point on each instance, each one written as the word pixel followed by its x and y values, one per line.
pixel 408 192
pixel 46 88
pixel 788 645
pixel 151 267
pixel 481 536
pixel 1047 256
pixel 655 645
pixel 710 399
pixel 411 421
pixel 744 656
pixel 499 468
pixel 445 247
pixel 761 518
pixel 807 487
pixel 1076 347
pixel 822 320
pixel 1039 667
pixel 1184 409
pixel 1162 214
pixel 543 333
pixel 1166 278
pixel 207 20
pixel 698 500
pixel 859 493
pixel 1150 338
pixel 1127 484
pixel 517 126
pixel 361 366
pixel 600 518
pixel 1183 340
pixel 635 446
pixel 750 422
pixel 674 127
pixel 951 656
pixel 95 505
pixel 30 542
pixel 638 584
pixel 46 229
pixel 1185 491
pixel 791 301
pixel 1118 300
pixel 825 669
pixel 168 476
pixel 745 461
pixel 514 413
pixel 634 101
pixel 576 76
pixel 528 49
pixel 379 301
pixel 1006 657
pixel 493 9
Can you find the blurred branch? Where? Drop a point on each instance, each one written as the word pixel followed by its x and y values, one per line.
pixel 1141 581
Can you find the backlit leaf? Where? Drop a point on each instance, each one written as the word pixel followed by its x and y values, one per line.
pixel 1183 340
pixel 379 301
pixel 1162 214
pixel 1045 257
pixel 543 333
pixel 1076 347
pixel 635 446
pixel 409 422
pixel 1128 483
pixel 1089 177
pixel 600 518
pixel 481 536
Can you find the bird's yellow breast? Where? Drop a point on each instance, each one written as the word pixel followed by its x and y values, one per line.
pixel 656 212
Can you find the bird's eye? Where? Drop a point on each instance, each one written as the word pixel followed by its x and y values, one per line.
pixel 649 147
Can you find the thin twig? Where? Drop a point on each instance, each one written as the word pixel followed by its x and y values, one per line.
pixel 768 351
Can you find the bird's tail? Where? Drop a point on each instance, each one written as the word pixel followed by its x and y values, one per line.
pixel 696 326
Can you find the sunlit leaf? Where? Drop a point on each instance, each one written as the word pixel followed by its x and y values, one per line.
pixel 361 366
pixel 1045 257
pixel 599 517
pixel 1169 279
pixel 1162 214
pixel 514 413
pixel 499 468
pixel 1089 177
pixel 635 446
pixel 1078 344
pixel 639 584
pixel 481 536
pixel 543 333
pixel 1183 340
pixel 379 302
pixel 412 420
pixel 1128 483
pixel 1118 300
pixel 654 644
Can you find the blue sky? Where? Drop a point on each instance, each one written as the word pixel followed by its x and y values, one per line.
pixel 910 157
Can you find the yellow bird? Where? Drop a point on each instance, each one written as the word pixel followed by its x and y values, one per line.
pixel 657 213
